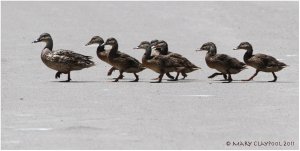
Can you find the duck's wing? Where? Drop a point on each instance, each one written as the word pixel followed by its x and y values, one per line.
pixel 265 61
pixel 228 61
pixel 234 63
pixel 168 62
pixel 128 60
pixel 221 59
pixel 71 58
pixel 172 54
pixel 184 61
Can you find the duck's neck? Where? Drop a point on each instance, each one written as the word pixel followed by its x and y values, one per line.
pixel 248 54
pixel 100 48
pixel 147 54
pixel 212 51
pixel 164 50
pixel 49 44
pixel 113 50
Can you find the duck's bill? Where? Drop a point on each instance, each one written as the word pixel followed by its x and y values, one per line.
pixel 89 43
pixel 36 41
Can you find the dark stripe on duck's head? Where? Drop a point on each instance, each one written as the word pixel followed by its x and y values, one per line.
pixel 244 45
pixel 154 42
pixel 207 46
pixel 143 45
pixel 111 41
pixel 161 44
pixel 95 40
pixel 43 37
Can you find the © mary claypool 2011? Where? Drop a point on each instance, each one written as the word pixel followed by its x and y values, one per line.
pixel 158 58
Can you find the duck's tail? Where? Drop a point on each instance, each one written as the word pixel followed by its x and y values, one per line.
pixel 87 62
pixel 283 65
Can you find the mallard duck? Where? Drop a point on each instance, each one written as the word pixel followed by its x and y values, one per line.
pixel 162 48
pixel 221 62
pixel 155 52
pixel 260 62
pixel 160 64
pixel 101 53
pixel 122 61
pixel 63 61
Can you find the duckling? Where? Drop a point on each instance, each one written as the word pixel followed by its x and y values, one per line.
pixel 122 61
pixel 101 53
pixel 63 61
pixel 162 48
pixel 155 52
pixel 260 62
pixel 221 62
pixel 160 64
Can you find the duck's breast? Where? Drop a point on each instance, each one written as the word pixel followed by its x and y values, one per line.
pixel 151 64
pixel 48 60
pixel 214 63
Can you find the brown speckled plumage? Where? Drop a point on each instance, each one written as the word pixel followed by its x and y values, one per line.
pixel 162 48
pixel 63 61
pixel 260 62
pixel 221 62
pixel 160 64
pixel 101 52
pixel 122 61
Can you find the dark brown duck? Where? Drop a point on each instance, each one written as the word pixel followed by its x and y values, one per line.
pixel 162 48
pixel 260 62
pixel 122 61
pixel 221 62
pixel 63 61
pixel 160 64
pixel 101 53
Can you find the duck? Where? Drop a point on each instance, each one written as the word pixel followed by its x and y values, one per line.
pixel 155 52
pixel 101 53
pixel 162 48
pixel 160 64
pixel 121 61
pixel 260 62
pixel 63 61
pixel 221 62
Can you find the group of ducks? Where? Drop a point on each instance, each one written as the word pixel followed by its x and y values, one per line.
pixel 157 57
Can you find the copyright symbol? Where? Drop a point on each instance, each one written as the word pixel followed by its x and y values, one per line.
pixel 228 143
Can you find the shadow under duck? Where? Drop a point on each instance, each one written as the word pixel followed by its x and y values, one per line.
pixel 162 48
pixel 122 61
pixel 260 62
pixel 160 64
pixel 221 62
pixel 63 61
pixel 101 53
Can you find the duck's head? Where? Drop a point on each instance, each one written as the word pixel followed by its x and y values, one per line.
pixel 111 41
pixel 143 45
pixel 160 44
pixel 207 47
pixel 43 38
pixel 154 42
pixel 244 45
pixel 95 40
